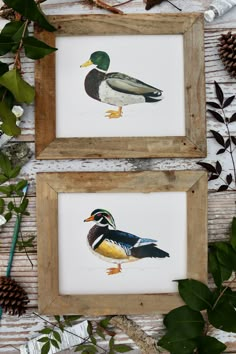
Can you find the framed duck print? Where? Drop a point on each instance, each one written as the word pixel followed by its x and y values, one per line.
pixel 122 86
pixel 117 241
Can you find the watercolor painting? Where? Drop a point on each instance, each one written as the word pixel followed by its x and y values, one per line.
pixel 116 88
pixel 140 233
pixel 117 246
pixel 120 86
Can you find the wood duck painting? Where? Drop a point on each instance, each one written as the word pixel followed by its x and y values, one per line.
pixel 115 88
pixel 117 246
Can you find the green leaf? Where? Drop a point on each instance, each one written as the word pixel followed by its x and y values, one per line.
pixel 55 343
pixel 20 185
pixel 56 334
pixel 233 233
pixel 35 49
pixel 223 316
pixel 105 322
pixel 5 164
pixel 26 244
pixel 10 206
pixel 3 68
pixel 209 345
pixel 186 321
pixel 3 178
pixel 30 10
pixel 2 204
pixel 14 30
pixel 111 343
pixel 7 97
pixel 218 271
pixel 225 294
pixel 6 190
pixel 57 318
pixel 21 90
pixel 9 126
pixel 86 348
pixel 26 213
pixel 195 294
pixel 23 205
pixel 100 333
pixel 46 330
pixel 45 348
pixel 6 43
pixel 8 216
pixel 177 344
pixel 93 340
pixel 90 328
pixel 43 340
pixel 122 348
pixel 226 255
pixel 72 318
pixel 14 172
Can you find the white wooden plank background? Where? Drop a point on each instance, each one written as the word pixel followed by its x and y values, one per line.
pixel 15 331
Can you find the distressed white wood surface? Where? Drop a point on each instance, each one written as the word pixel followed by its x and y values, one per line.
pixel 16 331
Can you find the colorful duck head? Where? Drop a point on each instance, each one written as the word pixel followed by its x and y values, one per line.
pixel 100 59
pixel 102 218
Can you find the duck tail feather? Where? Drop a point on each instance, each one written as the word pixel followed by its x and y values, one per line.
pixel 150 99
pixel 148 251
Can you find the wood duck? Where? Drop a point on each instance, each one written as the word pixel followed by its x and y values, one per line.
pixel 116 89
pixel 118 246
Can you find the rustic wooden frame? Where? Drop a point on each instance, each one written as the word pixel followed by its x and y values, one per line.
pixel 193 144
pixel 194 183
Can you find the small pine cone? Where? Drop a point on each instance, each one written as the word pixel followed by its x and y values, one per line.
pixel 13 298
pixel 227 52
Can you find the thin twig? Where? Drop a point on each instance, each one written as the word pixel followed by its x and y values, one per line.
pixel 26 252
pixel 17 63
pixel 9 345
pixel 122 3
pixel 230 146
pixel 105 6
pixel 174 5
pixel 222 292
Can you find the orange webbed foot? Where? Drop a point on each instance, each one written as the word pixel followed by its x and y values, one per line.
pixel 114 114
pixel 111 271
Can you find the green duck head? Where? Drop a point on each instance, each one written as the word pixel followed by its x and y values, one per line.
pixel 102 218
pixel 100 59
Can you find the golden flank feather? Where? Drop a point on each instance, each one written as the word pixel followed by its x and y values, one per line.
pixel 111 250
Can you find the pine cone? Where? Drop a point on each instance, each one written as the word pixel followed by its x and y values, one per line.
pixel 13 297
pixel 227 52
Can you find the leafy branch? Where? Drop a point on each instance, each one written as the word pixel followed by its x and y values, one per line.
pixel 13 199
pixel 11 189
pixel 14 38
pixel 186 326
pixel 53 332
pixel 227 145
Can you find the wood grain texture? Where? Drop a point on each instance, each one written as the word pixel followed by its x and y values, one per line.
pixel 45 112
pixel 49 185
pixel 192 144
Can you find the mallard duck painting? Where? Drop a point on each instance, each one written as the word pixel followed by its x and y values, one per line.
pixel 115 88
pixel 117 246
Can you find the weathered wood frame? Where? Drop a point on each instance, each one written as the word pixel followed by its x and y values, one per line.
pixel 193 144
pixel 194 183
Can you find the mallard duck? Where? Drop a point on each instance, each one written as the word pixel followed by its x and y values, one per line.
pixel 117 246
pixel 116 89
